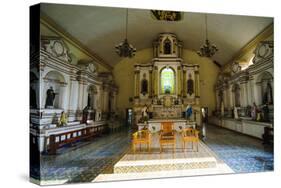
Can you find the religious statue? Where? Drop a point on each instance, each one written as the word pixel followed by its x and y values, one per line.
pixel 254 111
pixel 188 111
pixel 144 113
pixel 190 85
pixel 267 97
pixel 167 46
pixel 248 111
pixel 50 97
pixel 144 85
pixel 89 104
pixel 63 119
pixel 265 111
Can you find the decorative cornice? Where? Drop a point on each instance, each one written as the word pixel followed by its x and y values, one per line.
pixel 52 25
pixel 251 45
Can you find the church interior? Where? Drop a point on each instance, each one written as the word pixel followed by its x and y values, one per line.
pixel 125 94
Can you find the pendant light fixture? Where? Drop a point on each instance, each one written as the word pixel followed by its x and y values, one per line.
pixel 125 49
pixel 207 49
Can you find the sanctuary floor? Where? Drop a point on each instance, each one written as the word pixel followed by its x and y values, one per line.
pixel 85 161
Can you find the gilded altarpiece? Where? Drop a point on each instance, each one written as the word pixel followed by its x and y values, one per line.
pixel 167 84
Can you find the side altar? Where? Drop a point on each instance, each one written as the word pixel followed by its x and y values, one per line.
pixel 166 86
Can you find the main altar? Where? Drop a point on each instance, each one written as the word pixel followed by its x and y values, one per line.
pixel 166 86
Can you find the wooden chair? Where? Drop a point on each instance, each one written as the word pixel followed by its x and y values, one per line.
pixel 167 135
pixel 190 135
pixel 141 137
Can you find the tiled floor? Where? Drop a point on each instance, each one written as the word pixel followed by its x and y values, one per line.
pixel 84 162
pixel 240 152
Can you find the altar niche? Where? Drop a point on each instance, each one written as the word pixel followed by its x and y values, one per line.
pixel 190 85
pixel 144 85
pixel 266 88
pixel 34 91
pixel 167 46
pixel 89 111
pixel 54 90
pixel 167 80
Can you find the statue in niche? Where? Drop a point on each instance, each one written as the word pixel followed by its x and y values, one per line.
pixel 267 97
pixel 144 85
pixel 50 98
pixel 167 46
pixel 188 111
pixel 89 103
pixel 254 111
pixel 265 111
pixel 190 85
pixel 85 115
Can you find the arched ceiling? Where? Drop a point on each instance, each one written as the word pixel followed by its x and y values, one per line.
pixel 101 28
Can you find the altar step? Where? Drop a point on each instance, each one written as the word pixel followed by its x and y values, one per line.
pixel 220 168
pixel 168 159
pixel 164 165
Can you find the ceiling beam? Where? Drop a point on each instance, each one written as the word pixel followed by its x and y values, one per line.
pixel 53 26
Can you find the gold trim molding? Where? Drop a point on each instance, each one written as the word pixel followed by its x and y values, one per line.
pixel 53 26
pixel 267 32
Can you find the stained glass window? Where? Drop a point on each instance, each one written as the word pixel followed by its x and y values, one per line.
pixel 167 81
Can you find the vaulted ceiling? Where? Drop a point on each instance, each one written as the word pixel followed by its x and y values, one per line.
pixel 101 28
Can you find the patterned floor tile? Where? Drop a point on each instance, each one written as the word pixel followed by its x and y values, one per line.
pixel 84 161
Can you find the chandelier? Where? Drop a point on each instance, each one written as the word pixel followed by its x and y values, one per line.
pixel 207 49
pixel 125 49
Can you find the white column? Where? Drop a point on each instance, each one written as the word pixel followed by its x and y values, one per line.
pixel 225 101
pixel 249 93
pixel 63 97
pixel 80 96
pixel 100 99
pixel 73 99
pixel 105 100
pixel 229 95
pixel 243 97
pixel 85 95
pixel 256 93
pixel 41 93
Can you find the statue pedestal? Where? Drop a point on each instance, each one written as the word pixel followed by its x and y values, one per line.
pixel 45 117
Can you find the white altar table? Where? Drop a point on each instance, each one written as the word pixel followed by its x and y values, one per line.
pixel 154 125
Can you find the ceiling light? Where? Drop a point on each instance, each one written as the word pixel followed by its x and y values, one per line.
pixel 125 49
pixel 207 49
